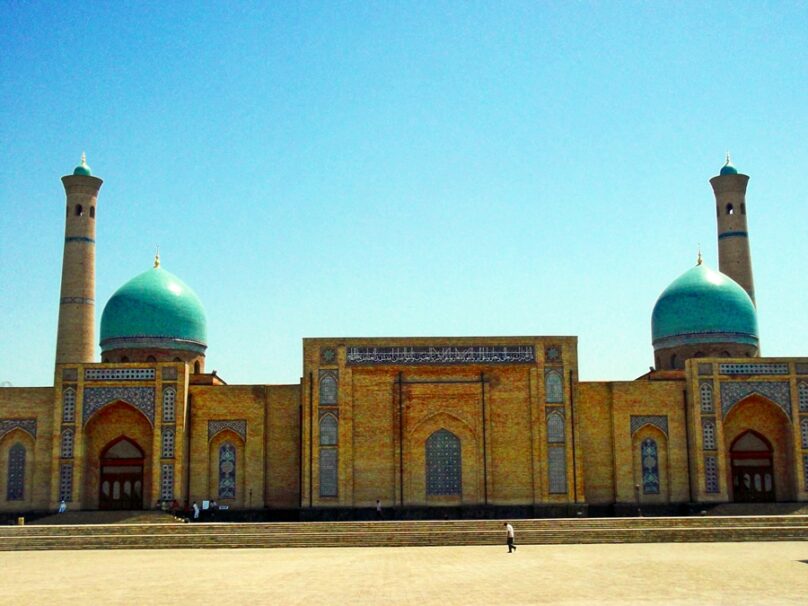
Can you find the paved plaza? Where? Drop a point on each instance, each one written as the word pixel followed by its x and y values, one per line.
pixel 692 573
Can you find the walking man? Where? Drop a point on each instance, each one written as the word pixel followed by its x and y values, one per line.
pixel 509 532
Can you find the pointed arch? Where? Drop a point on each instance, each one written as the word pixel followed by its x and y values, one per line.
pixel 67 444
pixel 706 397
pixel 69 405
pixel 555 428
pixel 15 476
pixel 329 436
pixel 553 387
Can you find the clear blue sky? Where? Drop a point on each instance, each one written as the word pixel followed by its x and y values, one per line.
pixel 401 169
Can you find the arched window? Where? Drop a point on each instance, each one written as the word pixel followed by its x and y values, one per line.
pixel 443 472
pixel 708 435
pixel 743 208
pixel 553 387
pixel 168 443
pixel 166 482
pixel 804 432
pixel 699 354
pixel 169 404
pixel 730 209
pixel 328 390
pixel 557 469
pixel 650 466
pixel 92 212
pixel 124 359
pixel 151 359
pixel 69 405
pixel 227 471
pixel 706 393
pixel 674 361
pixel 197 367
pixel 555 427
pixel 67 444
pixel 802 396
pixel 79 210
pixel 328 431
pixel 15 480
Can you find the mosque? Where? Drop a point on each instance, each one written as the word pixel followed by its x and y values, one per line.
pixel 479 423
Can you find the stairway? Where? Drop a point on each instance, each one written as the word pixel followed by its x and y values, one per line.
pixel 404 534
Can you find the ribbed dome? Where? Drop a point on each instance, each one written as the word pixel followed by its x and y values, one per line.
pixel 704 306
pixel 155 309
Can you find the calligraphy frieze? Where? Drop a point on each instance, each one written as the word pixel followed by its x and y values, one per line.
pixel 477 354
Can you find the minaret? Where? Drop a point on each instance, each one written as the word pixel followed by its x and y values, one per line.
pixel 75 340
pixel 734 258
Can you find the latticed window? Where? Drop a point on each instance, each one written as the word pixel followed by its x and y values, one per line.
pixel 168 444
pixel 711 474
pixel 66 482
pixel 443 464
pixel 328 431
pixel 650 466
pixel 553 387
pixel 169 404
pixel 804 432
pixel 555 427
pixel 805 469
pixel 69 405
pixel 802 396
pixel 328 472
pixel 328 389
pixel 708 435
pixel 557 469
pixel 166 482
pixel 706 391
pixel 15 481
pixel 227 471
pixel 67 444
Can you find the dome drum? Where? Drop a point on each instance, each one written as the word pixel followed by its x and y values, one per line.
pixel 155 343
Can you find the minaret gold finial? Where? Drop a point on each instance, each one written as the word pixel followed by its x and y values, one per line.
pixel 729 159
pixel 157 258
pixel 698 258
pixel 83 159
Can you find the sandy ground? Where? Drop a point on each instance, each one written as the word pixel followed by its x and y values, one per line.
pixel 680 573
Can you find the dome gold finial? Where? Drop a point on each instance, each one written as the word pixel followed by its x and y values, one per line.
pixel 83 159
pixel 698 258
pixel 729 160
pixel 157 258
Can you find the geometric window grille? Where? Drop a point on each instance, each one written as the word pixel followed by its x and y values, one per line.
pixel 443 464
pixel 553 389
pixel 166 482
pixel 328 472
pixel 227 471
pixel 805 469
pixel 67 444
pixel 69 405
pixel 802 396
pixel 753 369
pixel 708 435
pixel 328 390
pixel 15 485
pixel 169 402
pixel 650 466
pixel 706 397
pixel 328 431
pixel 168 444
pixel 66 482
pixel 555 428
pixel 557 469
pixel 711 474
pixel 118 374
pixel 804 432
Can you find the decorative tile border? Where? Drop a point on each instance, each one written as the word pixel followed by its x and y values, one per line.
pixel 753 369
pixel 118 374
pixel 658 421
pixel 239 426
pixel 477 354
pixel 96 398
pixel 27 425
pixel 733 392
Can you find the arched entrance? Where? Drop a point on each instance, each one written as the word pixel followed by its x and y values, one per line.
pixel 121 481
pixel 752 468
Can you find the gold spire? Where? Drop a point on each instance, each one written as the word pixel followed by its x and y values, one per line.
pixel 157 258
pixel 729 160
pixel 698 258
pixel 83 159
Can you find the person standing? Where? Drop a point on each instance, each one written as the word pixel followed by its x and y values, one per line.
pixel 196 512
pixel 379 514
pixel 509 533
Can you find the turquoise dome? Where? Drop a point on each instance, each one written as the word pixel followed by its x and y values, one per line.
pixel 83 169
pixel 154 310
pixel 729 168
pixel 703 306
